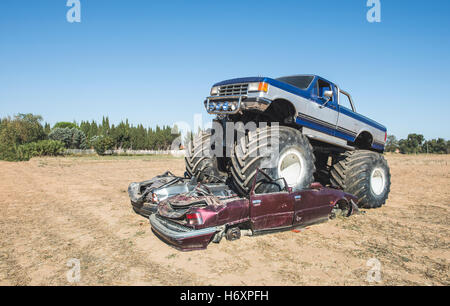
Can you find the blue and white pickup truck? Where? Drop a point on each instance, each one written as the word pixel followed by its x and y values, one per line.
pixel 325 111
pixel 321 136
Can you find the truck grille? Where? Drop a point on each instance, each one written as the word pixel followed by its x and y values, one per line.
pixel 233 90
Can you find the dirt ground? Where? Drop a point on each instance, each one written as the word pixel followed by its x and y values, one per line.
pixel 57 209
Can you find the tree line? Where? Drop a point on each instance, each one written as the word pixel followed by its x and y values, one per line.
pixel 24 136
pixel 416 143
pixel 127 136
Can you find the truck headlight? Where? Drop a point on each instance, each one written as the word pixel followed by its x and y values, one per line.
pixel 261 86
pixel 215 91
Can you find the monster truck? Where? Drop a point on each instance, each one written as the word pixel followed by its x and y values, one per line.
pixel 320 136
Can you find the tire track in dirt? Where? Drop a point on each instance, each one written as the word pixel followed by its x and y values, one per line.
pixel 107 258
pixel 106 253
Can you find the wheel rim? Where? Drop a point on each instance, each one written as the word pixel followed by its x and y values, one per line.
pixel 377 181
pixel 291 167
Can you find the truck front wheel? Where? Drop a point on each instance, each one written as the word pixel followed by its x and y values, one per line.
pixel 200 162
pixel 365 174
pixel 286 153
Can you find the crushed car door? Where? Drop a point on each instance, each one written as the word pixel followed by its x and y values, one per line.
pixel 312 205
pixel 271 210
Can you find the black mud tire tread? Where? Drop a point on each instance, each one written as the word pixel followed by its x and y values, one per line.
pixel 244 166
pixel 199 162
pixel 352 173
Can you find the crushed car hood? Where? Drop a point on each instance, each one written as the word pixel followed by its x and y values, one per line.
pixel 177 206
pixel 140 192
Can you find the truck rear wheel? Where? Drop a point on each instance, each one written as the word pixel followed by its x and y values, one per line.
pixel 365 174
pixel 200 162
pixel 288 154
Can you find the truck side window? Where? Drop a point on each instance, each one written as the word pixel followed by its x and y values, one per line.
pixel 345 101
pixel 323 86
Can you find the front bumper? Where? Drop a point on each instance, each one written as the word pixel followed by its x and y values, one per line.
pixel 244 103
pixel 145 209
pixel 181 237
pixel 140 206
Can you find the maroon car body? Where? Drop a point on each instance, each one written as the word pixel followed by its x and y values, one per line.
pixel 192 221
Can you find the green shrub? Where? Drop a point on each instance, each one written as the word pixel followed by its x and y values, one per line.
pixel 73 138
pixel 102 144
pixel 40 148
pixel 8 151
pixel 21 129
pixel 64 125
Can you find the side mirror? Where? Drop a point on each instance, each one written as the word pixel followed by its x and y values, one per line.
pixel 327 95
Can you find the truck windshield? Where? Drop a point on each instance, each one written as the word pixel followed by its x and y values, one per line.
pixel 300 81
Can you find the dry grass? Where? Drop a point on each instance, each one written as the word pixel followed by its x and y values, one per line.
pixel 55 209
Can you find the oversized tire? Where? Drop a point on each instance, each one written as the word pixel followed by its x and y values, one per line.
pixel 365 174
pixel 200 162
pixel 288 154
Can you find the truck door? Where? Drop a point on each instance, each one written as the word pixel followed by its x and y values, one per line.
pixel 272 210
pixel 322 116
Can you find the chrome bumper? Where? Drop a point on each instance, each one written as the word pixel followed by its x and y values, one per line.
pixel 244 103
pixel 176 231
pixel 181 237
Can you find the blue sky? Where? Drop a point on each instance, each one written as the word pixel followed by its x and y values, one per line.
pixel 154 62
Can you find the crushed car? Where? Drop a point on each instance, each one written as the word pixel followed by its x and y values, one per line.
pixel 146 195
pixel 192 219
